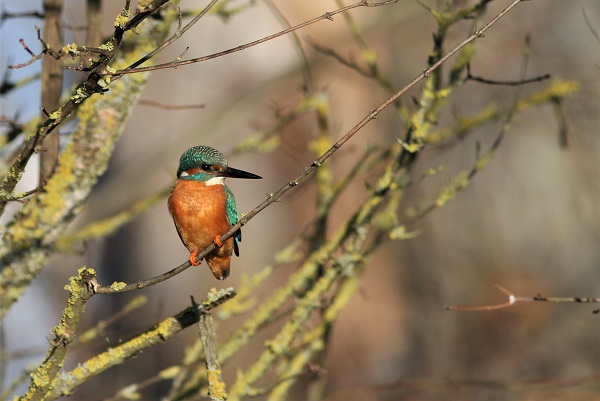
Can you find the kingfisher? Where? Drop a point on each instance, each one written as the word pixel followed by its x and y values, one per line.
pixel 203 207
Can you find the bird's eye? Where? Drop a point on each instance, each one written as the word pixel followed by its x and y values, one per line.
pixel 205 167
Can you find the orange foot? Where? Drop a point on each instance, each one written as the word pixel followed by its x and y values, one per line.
pixel 217 241
pixel 193 259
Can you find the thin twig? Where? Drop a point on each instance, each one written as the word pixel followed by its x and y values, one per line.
pixel 26 14
pixel 513 299
pixel 505 83
pixel 21 197
pixel 480 162
pixel 163 106
pixel 296 39
pixel 7 86
pixel 342 60
pixel 100 327
pixel 180 31
pixel 13 123
pixel 33 59
pixel 177 63
pixel 589 25
pixel 93 84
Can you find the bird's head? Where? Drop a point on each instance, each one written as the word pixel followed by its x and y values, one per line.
pixel 206 164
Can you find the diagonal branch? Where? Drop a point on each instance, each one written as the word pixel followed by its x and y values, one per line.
pixel 276 196
pixel 180 31
pixel 161 332
pixel 328 16
pixel 96 82
pixel 101 121
pixel 42 380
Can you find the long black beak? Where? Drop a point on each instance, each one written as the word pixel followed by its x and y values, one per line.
pixel 235 173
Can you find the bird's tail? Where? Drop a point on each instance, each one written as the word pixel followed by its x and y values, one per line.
pixel 219 265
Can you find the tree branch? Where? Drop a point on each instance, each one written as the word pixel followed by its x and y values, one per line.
pixel 44 378
pixel 96 82
pixel 276 196
pixel 513 299
pixel 101 120
pixel 523 81
pixel 208 336
pixel 161 332
pixel 51 80
pixel 178 63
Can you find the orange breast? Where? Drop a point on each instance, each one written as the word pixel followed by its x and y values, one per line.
pixel 199 214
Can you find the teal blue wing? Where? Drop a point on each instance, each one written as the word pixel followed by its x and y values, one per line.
pixel 232 218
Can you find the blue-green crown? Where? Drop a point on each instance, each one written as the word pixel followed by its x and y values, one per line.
pixel 199 155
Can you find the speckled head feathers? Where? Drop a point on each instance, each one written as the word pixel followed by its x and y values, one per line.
pixel 203 163
pixel 199 155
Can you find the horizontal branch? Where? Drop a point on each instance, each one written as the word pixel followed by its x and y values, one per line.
pixel 519 82
pixel 158 105
pixel 513 299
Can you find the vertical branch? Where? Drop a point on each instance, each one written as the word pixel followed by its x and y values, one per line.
pixel 2 361
pixel 80 290
pixel 368 55
pixel 313 342
pixel 94 18
pixel 282 342
pixel 208 336
pixel 164 330
pixel 101 120
pixel 324 176
pixel 52 79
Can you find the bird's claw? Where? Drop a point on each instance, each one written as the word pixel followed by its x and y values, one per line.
pixel 193 259
pixel 217 241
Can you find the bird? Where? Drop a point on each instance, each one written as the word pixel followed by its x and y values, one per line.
pixel 203 207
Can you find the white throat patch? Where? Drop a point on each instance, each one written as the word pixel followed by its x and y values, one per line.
pixel 215 181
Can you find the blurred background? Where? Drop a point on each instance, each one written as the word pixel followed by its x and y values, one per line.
pixel 529 222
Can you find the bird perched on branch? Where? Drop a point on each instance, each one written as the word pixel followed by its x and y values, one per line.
pixel 203 207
